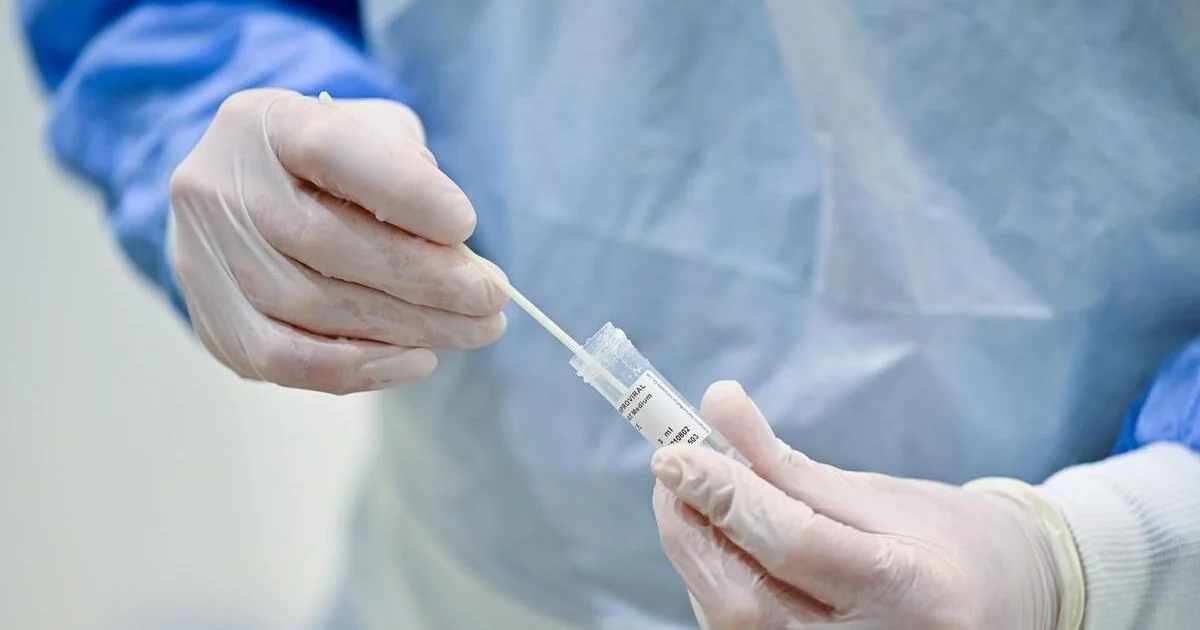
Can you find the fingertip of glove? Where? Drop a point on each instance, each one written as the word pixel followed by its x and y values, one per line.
pixel 667 467
pixel 462 219
pixel 724 398
pixel 491 329
pixel 409 365
pixel 454 219
pixel 725 388
pixel 685 469
pixel 424 360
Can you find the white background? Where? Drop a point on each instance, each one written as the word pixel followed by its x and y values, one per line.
pixel 142 487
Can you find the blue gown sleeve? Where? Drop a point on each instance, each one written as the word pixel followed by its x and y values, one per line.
pixel 1169 411
pixel 134 84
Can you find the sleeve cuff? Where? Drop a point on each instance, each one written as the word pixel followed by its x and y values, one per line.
pixel 1136 525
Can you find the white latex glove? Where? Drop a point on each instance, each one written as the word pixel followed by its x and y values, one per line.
pixel 310 242
pixel 798 544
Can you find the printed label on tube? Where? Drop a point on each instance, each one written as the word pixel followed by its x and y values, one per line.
pixel 660 415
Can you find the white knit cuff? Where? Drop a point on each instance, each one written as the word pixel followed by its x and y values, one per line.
pixel 1136 522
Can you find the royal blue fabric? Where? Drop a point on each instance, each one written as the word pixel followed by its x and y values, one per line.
pixel 1170 410
pixel 135 84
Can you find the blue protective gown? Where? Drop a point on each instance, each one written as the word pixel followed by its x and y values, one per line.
pixel 933 239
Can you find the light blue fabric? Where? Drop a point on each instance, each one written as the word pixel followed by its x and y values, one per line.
pixel 134 85
pixel 933 239
pixel 939 239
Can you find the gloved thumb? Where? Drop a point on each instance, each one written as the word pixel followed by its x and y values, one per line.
pixel 847 497
pixel 729 409
pixel 386 116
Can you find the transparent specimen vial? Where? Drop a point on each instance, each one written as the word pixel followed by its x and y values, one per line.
pixel 640 393
pixel 608 362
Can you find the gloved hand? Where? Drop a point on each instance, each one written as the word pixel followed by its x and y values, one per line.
pixel 310 243
pixel 792 543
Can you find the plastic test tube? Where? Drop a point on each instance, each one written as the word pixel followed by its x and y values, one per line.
pixel 640 393
pixel 610 363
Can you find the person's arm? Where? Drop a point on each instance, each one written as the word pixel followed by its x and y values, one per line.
pixel 1136 516
pixel 135 84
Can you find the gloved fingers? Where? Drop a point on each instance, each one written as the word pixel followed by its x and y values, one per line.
pixel 830 561
pixel 710 565
pixel 728 589
pixel 333 308
pixel 389 176
pixel 263 349
pixel 844 496
pixel 340 240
